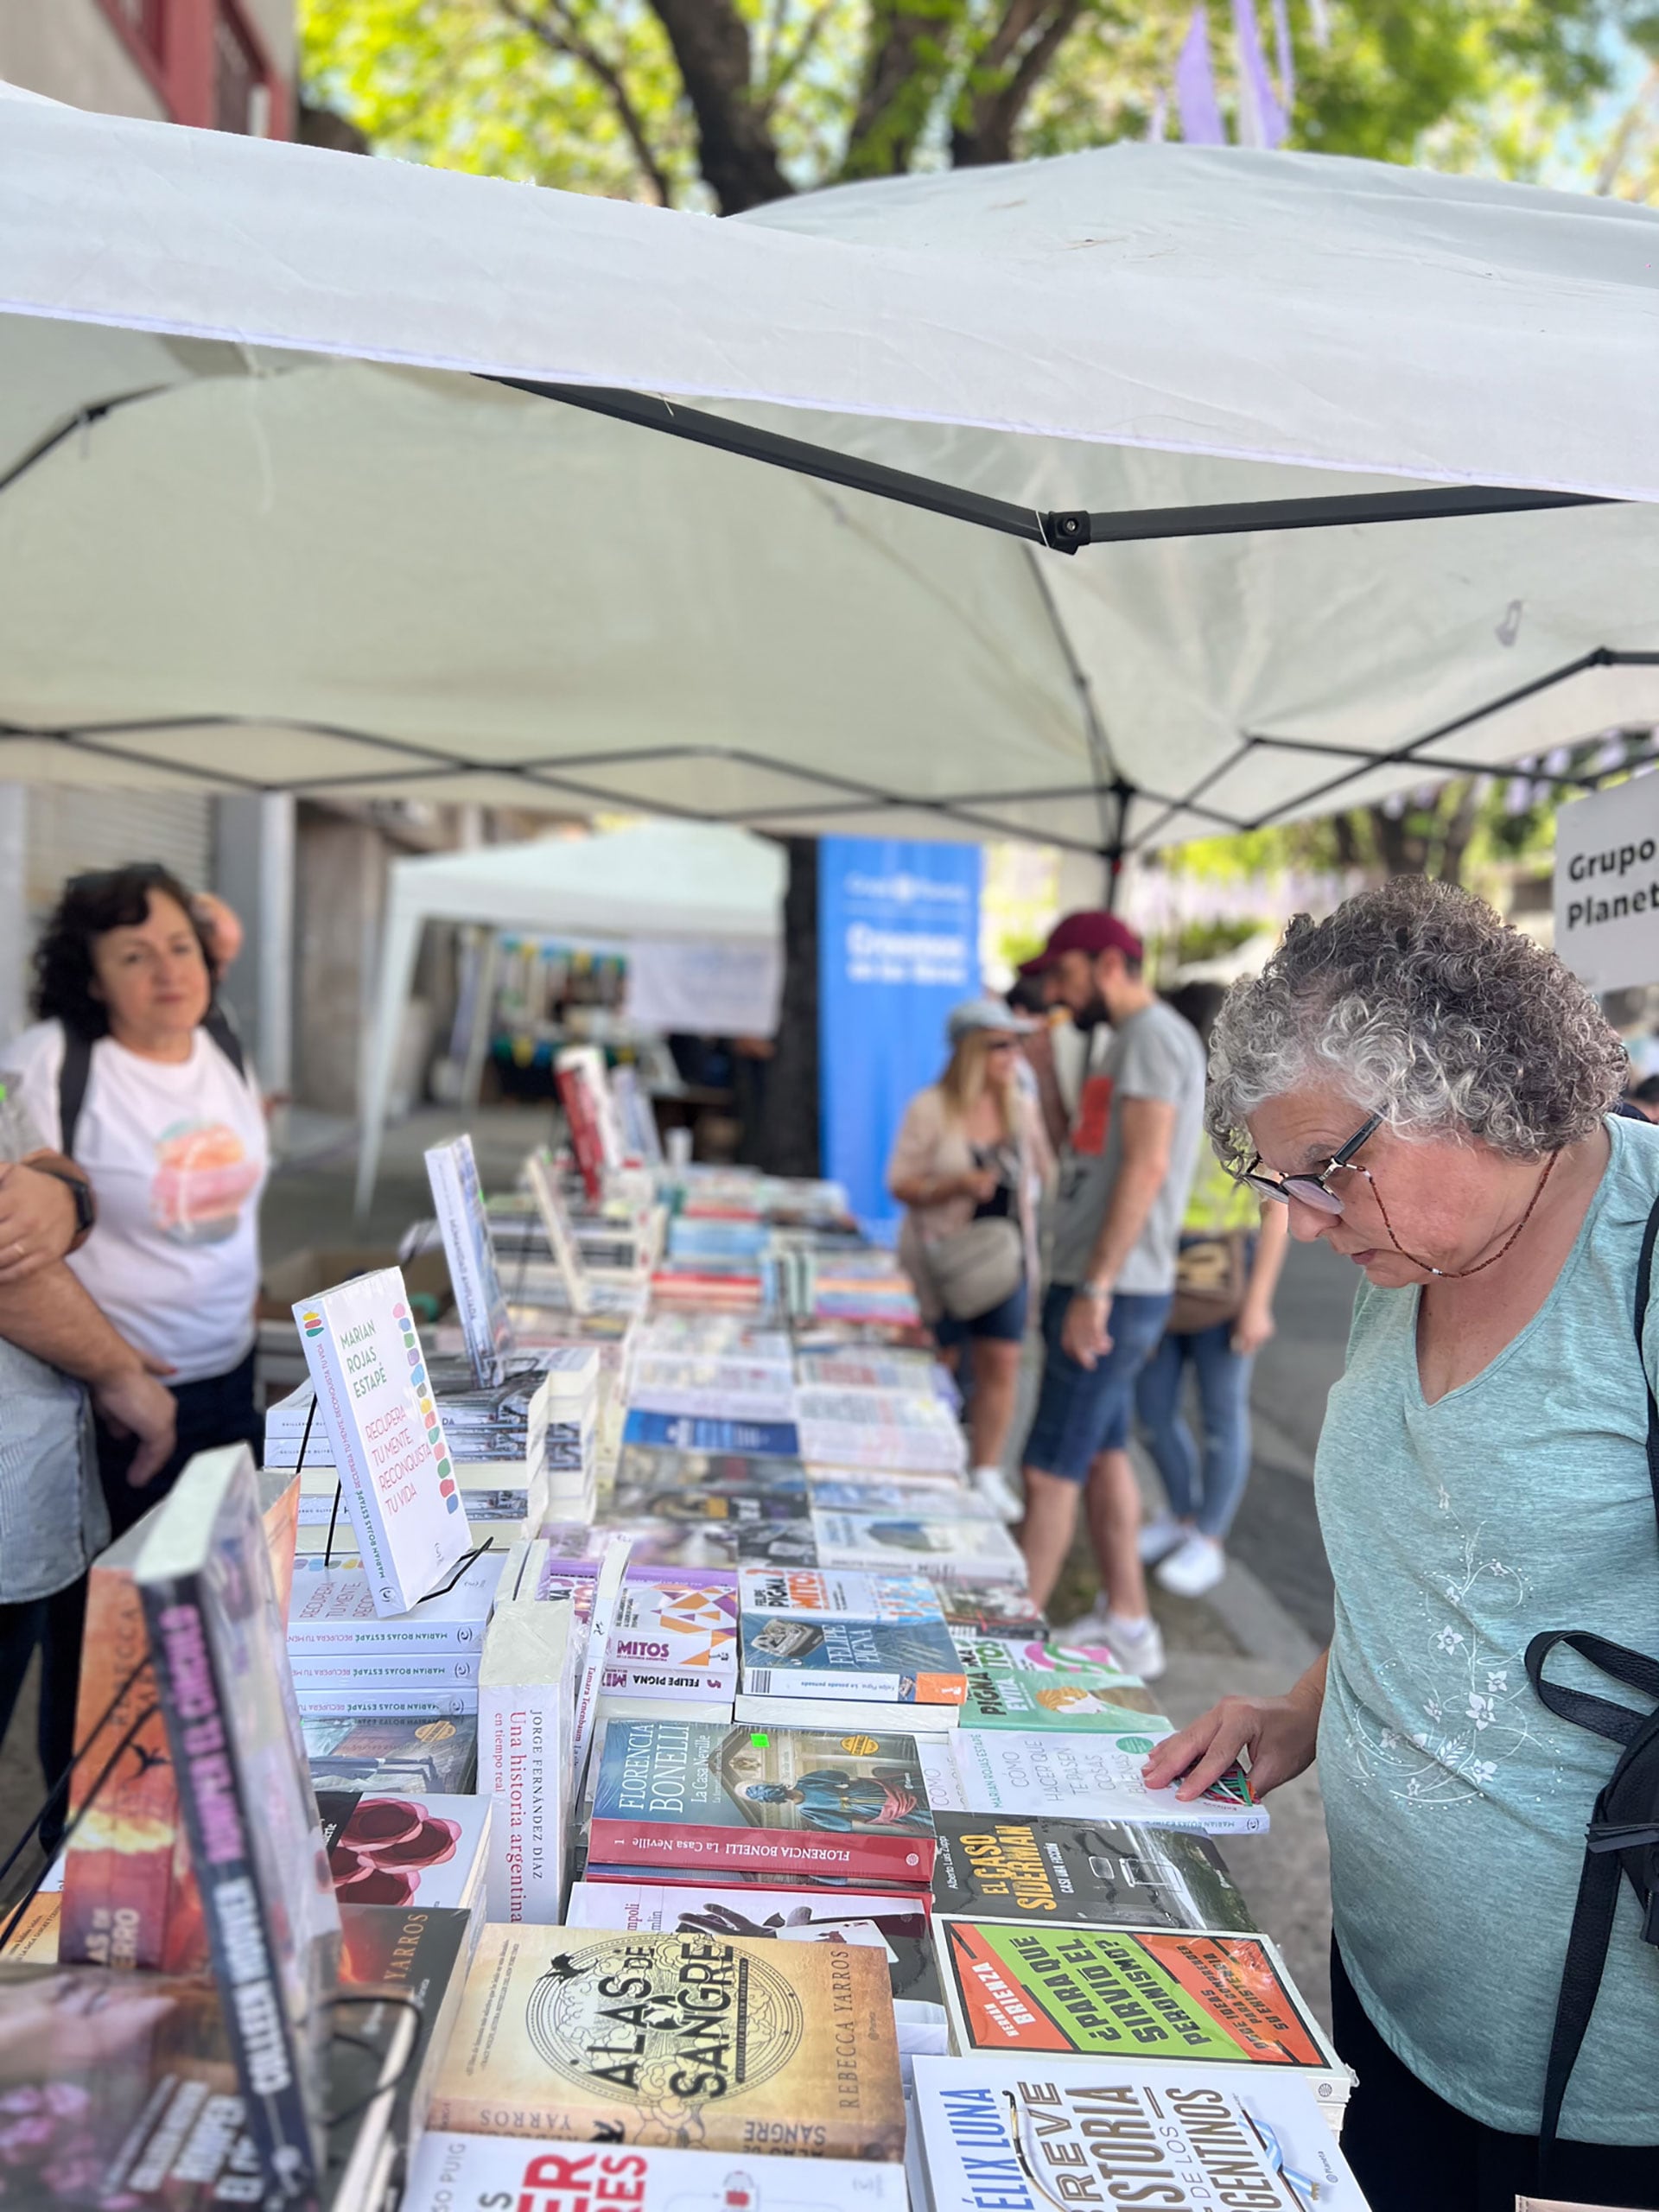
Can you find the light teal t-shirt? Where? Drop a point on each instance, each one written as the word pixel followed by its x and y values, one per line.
pixel 1457 1803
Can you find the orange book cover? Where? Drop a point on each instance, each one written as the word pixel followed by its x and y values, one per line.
pixel 128 1897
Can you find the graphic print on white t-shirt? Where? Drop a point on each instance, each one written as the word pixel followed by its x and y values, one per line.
pixel 203 1176
pixel 176 1154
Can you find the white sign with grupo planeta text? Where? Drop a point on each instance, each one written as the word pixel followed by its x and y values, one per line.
pixel 1607 886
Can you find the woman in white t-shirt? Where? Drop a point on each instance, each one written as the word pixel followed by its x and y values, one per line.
pixel 166 1122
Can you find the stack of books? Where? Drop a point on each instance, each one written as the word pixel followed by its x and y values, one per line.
pixel 673 1647
pixel 823 1650
pixel 347 1659
pixel 570 1389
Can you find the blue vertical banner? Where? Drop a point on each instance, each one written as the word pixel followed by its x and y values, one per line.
pixel 898 948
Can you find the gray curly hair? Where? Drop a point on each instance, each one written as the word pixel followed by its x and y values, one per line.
pixel 1425 1007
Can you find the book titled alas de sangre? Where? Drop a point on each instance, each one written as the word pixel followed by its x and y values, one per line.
pixel 802 1802
pixel 689 2040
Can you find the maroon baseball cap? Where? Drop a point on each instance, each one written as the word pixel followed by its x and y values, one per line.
pixel 1093 930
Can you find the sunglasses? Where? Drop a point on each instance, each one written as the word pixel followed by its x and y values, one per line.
pixel 1313 1190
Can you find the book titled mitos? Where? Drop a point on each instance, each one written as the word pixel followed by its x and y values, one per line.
pixel 689 2040
pixel 695 1795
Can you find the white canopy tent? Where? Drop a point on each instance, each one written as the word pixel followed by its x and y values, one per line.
pixel 266 521
pixel 654 885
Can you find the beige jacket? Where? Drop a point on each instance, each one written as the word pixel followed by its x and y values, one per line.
pixel 929 1144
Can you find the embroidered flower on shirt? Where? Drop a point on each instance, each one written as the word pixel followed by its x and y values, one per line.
pixel 1450 1640
pixel 1497 1678
pixel 1481 1771
pixel 1481 1710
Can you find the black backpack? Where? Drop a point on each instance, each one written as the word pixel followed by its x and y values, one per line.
pixel 1623 1830
pixel 74 1075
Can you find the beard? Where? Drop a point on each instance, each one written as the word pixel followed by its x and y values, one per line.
pixel 1090 1016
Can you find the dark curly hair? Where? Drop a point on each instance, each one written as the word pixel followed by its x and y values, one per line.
pixel 109 899
pixel 1426 1008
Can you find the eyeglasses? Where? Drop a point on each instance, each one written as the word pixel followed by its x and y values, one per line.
pixel 1313 1190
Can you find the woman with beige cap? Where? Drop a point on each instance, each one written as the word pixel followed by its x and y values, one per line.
pixel 969 1159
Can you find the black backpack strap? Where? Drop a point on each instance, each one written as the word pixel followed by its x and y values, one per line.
pixel 72 1086
pixel 1644 1293
pixel 223 1031
pixel 76 1071
pixel 1623 1831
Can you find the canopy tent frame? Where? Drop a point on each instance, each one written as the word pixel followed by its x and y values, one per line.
pixel 1061 530
pixel 549 773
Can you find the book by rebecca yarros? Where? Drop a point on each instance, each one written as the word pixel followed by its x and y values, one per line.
pixel 451 2171
pixel 696 2041
pixel 1193 1994
pixel 1062 2134
pixel 692 1795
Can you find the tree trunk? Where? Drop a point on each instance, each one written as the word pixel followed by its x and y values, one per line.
pixel 908 58
pixel 1020 53
pixel 789 1125
pixel 735 153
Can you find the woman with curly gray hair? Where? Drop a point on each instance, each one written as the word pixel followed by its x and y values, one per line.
pixel 1431 1092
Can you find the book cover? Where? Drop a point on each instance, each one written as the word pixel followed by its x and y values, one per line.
pixel 694 1545
pixel 421 1952
pixel 809 1593
pixel 556 1223
pixel 249 1811
pixel 793 1800
pixel 376 1402
pixel 697 2041
pixel 843 1715
pixel 130 1898
pixel 751 1440
pixel 672 1637
pixel 655 1469
pixel 995 1608
pixel 332 1611
pixel 1092 1777
pixel 525 1748
pixel 943 1550
pixel 908 1662
pixel 1052 1687
pixel 1103 1992
pixel 581 1119
pixel 402 1851
pixel 452 1171
pixel 457 2173
pixel 890 1922
pixel 1023 1867
pixel 1062 2134
pixel 398 1757
pixel 902 1494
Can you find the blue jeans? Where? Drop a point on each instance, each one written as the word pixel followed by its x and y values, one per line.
pixel 1083 1410
pixel 1210 1493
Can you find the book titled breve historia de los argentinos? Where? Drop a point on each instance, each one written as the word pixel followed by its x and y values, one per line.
pixel 693 1796
pixel 375 1400
pixel 697 2041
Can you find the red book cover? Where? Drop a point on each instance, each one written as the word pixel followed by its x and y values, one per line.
pixel 807 1803
pixel 585 1140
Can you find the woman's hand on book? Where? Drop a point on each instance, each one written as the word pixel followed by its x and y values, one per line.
pixel 1279 1734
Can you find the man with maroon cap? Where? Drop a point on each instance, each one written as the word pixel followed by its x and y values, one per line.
pixel 1124 1185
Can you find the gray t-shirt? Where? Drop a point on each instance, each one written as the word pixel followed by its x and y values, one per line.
pixel 1154 1055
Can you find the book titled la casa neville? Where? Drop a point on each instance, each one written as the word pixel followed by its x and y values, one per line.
pixel 375 1399
pixel 804 1803
pixel 688 2040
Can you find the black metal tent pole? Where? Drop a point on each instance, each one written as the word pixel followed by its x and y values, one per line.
pixel 1063 530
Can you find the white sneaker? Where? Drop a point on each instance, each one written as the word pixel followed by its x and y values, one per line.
pixel 1160 1537
pixel 999 1493
pixel 1196 1565
pixel 1140 1648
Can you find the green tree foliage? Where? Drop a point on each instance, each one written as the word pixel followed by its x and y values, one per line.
pixel 726 104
